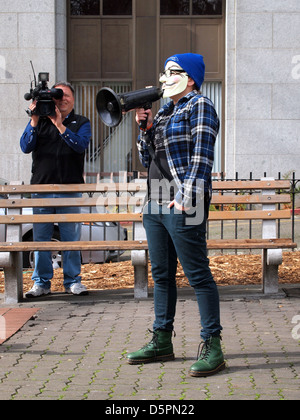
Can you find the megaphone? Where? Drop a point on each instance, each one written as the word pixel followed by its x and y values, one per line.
pixel 111 106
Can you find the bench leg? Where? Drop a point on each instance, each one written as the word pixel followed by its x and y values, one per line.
pixel 140 263
pixel 13 276
pixel 140 282
pixel 270 272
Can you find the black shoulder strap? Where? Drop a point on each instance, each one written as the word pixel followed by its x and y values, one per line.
pixel 153 157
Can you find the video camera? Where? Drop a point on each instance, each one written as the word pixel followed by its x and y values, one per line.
pixel 111 106
pixel 43 96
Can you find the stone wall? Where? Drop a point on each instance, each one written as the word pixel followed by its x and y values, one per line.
pixel 262 122
pixel 263 87
pixel 27 32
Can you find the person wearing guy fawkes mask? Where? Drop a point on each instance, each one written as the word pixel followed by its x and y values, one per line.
pixel 182 135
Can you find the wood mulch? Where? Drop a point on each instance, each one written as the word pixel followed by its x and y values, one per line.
pixel 227 270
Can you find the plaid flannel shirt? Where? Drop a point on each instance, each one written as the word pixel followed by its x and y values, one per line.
pixel 189 140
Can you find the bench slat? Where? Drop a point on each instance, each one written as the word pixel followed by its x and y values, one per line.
pixel 137 201
pixel 137 217
pixel 249 215
pixel 251 199
pixel 250 243
pixel 73 188
pixel 134 187
pixel 251 185
pixel 73 202
pixel 71 218
pixel 141 245
pixel 74 246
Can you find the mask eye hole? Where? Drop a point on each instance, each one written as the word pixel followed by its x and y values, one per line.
pixel 169 72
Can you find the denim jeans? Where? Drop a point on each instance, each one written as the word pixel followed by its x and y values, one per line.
pixel 43 271
pixel 170 236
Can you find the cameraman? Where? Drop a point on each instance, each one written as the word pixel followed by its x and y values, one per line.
pixel 58 145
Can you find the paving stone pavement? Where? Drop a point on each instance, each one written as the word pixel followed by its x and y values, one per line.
pixel 75 349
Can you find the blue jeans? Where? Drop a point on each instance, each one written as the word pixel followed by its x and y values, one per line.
pixel 42 232
pixel 169 237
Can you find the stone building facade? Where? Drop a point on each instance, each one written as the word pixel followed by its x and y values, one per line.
pixel 259 74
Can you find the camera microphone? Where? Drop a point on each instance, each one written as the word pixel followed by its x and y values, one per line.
pixel 28 96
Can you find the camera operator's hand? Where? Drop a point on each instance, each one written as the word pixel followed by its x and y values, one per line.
pixel 34 118
pixel 142 114
pixel 57 121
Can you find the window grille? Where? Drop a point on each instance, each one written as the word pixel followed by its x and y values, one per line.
pixel 110 149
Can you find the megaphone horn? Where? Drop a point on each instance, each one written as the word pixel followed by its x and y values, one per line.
pixel 110 105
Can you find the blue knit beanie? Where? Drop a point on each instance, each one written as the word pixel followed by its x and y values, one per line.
pixel 193 64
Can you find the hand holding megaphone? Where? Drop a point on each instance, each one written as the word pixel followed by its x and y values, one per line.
pixel 144 118
pixel 111 106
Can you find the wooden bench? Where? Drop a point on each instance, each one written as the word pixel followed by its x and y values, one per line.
pixel 125 196
pixel 234 200
pixel 265 200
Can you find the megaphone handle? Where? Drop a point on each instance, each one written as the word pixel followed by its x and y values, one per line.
pixel 143 124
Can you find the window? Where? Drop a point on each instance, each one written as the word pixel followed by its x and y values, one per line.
pixel 85 7
pixel 191 7
pixel 175 7
pixel 100 7
pixel 207 7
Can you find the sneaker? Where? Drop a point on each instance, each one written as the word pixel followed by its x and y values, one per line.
pixel 37 291
pixel 77 289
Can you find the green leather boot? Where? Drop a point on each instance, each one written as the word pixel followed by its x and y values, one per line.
pixel 159 349
pixel 211 359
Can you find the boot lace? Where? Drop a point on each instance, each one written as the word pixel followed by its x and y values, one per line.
pixel 203 350
pixel 154 339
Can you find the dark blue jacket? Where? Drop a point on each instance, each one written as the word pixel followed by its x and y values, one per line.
pixel 57 158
